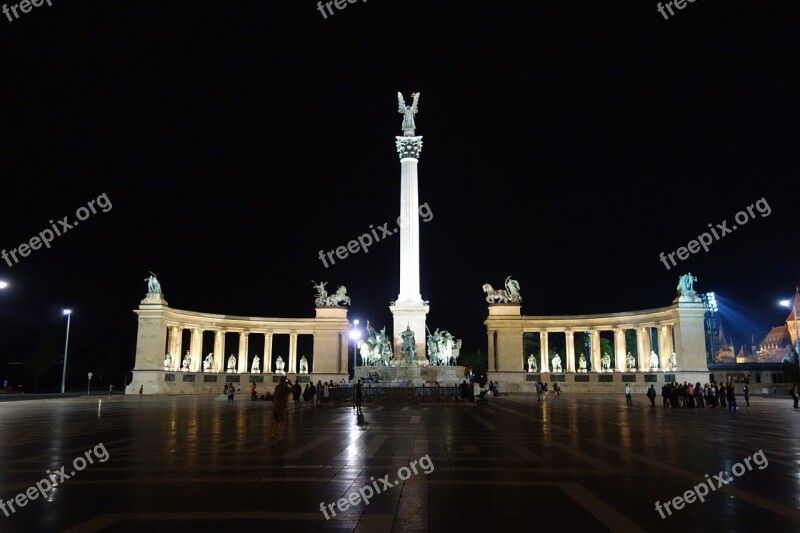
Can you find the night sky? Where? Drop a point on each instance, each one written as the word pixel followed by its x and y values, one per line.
pixel 565 144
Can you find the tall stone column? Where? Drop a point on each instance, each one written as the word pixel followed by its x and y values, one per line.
pixel 594 342
pixel 195 346
pixel 643 359
pixel 176 340
pixel 570 339
pixel 409 310
pixel 545 366
pixel 242 361
pixel 620 354
pixel 291 368
pixel 219 350
pixel 268 352
pixel 664 345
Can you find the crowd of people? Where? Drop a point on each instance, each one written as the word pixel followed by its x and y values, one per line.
pixel 696 395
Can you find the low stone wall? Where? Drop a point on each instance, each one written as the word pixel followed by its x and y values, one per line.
pixel 161 382
pixel 598 382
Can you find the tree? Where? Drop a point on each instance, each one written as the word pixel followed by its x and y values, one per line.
pixel 476 361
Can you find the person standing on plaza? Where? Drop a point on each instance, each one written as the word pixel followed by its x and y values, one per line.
pixel 651 393
pixel 141 390
pixel 539 390
pixel 746 392
pixel 319 392
pixel 312 394
pixel 326 394
pixel 230 394
pixel 110 391
pixel 280 401
pixel 628 395
pixel 796 395
pixel 296 392
pixel 359 396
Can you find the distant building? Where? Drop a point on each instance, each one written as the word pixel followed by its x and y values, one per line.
pixel 761 363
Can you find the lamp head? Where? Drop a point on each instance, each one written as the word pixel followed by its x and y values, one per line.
pixel 3 284
pixel 67 311
pixel 785 303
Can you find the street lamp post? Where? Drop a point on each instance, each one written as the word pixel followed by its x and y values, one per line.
pixel 67 312
pixel 793 305
pixel 355 334
pixel 89 386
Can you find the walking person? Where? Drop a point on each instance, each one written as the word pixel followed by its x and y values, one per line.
pixel 280 401
pixel 796 395
pixel 651 393
pixel 141 390
pixel 110 391
pixel 628 395
pixel 746 392
pixel 230 394
pixel 731 397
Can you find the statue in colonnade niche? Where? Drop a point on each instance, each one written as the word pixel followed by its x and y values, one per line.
pixel 556 363
pixel 208 362
pixel 630 361
pixel 653 360
pixel 187 359
pixel 673 361
pixel 256 367
pixel 280 365
pixel 167 361
pixel 231 364
pixel 303 365
pixel 605 362
pixel 582 363
pixel 532 366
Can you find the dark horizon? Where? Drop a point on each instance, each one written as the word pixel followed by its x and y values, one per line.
pixel 565 146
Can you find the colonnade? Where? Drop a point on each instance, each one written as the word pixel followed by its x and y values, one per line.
pixel 678 328
pixel 243 361
pixel 644 334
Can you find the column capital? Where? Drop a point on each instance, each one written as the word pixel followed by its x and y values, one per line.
pixel 408 147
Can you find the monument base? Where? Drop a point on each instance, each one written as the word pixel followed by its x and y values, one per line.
pixel 410 374
pixel 598 382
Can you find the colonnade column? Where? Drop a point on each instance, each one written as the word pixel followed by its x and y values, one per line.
pixel 219 350
pixel 664 345
pixel 642 359
pixel 619 350
pixel 267 352
pixel 569 337
pixel 545 366
pixel 175 346
pixel 594 343
pixel 194 349
pixel 292 367
pixel 491 362
pixel 243 337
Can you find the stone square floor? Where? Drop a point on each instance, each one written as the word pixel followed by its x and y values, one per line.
pixel 192 463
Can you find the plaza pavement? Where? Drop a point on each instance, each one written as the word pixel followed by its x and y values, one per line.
pixel 191 463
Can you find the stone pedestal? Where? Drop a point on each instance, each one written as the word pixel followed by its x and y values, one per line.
pixel 409 315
